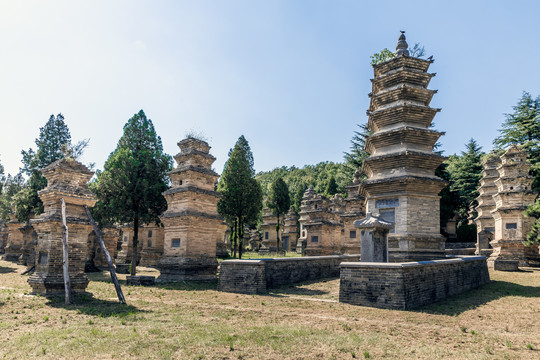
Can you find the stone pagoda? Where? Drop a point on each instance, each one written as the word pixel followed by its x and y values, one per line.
pixel 191 220
pixel 290 231
pixel 268 227
pixel 320 226
pixel 15 243
pixel 401 186
pixel 485 223
pixel 352 210
pixel 67 179
pixel 513 195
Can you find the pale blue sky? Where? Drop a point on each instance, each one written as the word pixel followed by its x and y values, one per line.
pixel 292 76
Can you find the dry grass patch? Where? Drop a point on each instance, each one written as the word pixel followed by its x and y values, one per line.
pixel 194 321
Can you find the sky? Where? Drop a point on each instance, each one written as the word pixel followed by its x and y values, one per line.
pixel 292 76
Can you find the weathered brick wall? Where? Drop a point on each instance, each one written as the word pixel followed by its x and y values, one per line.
pixel 257 276
pixel 410 285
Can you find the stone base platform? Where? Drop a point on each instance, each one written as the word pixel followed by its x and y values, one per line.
pixel 410 285
pixel 257 276
pixel 505 265
pixel 176 269
pixel 11 257
pixel 140 280
pixel 54 284
pixel 122 268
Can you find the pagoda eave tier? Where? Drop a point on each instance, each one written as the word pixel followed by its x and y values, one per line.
pixel 404 184
pixel 401 62
pixel 189 153
pixel 191 189
pixel 401 92
pixel 401 76
pixel 403 113
pixel 201 170
pixel 402 135
pixel 404 159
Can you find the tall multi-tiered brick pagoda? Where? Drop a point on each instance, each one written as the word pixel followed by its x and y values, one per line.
pixel 191 220
pixel 485 223
pixel 401 186
pixel 512 198
pixel 67 179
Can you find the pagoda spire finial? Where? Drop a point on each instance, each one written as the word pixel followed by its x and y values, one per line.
pixel 402 46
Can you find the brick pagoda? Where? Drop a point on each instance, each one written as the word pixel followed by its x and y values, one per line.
pixel 191 220
pixel 513 195
pixel 485 223
pixel 401 186
pixel 68 179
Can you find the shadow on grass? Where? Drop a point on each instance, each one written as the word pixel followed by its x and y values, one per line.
pixel 86 304
pixel 472 299
pixel 104 276
pixel 297 289
pixel 7 270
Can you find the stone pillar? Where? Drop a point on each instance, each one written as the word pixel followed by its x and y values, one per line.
pixel 191 220
pixel 374 238
pixel 514 195
pixel 68 179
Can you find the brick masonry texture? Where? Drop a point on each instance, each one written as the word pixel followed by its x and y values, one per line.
pixel 257 276
pixel 410 285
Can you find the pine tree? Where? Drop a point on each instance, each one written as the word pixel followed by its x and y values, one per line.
pixel 522 127
pixel 53 143
pixel 10 187
pixel 279 202
pixel 332 187
pixel 533 237
pixel 465 175
pixel 357 154
pixel 134 177
pixel 241 194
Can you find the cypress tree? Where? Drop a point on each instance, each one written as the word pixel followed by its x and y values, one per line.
pixel 134 177
pixel 241 194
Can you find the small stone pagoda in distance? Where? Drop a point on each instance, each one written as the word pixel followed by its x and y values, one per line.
pixel 512 198
pixel 401 186
pixel 67 179
pixel 191 220
pixel 485 224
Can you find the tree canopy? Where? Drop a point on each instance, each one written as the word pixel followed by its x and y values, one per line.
pixel 279 202
pixel 465 175
pixel 134 177
pixel 53 143
pixel 241 195
pixel 522 127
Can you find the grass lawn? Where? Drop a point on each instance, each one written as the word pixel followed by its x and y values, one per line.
pixel 305 321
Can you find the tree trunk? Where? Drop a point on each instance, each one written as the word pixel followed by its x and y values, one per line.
pixel 65 253
pixel 107 256
pixel 235 237
pixel 277 232
pixel 135 244
pixel 231 238
pixel 241 239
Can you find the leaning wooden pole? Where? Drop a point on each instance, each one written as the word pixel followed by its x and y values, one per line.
pixel 65 261
pixel 107 256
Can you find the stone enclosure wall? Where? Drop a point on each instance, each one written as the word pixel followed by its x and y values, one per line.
pixel 410 285
pixel 257 276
